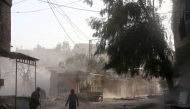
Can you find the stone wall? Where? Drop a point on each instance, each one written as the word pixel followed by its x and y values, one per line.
pixel 5 24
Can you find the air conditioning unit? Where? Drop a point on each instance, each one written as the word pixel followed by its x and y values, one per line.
pixel 1 82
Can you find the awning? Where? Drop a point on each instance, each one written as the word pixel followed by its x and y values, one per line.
pixel 22 58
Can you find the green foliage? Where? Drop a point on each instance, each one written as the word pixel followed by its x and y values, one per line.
pixel 133 37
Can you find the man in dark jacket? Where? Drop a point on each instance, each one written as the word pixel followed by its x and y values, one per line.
pixel 72 100
pixel 35 99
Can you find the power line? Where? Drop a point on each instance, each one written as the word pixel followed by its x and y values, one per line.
pixel 44 9
pixel 73 2
pixel 73 41
pixel 69 6
pixel 79 30
pixel 60 23
pixel 58 5
pixel 66 19
pixel 73 24
pixel 32 11
pixel 19 2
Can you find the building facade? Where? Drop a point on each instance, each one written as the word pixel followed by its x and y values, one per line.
pixel 95 86
pixel 5 28
pixel 181 30
pixel 5 24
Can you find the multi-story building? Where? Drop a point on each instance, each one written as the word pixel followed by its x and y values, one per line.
pixel 5 24
pixel 181 29
pixel 5 44
pixel 5 28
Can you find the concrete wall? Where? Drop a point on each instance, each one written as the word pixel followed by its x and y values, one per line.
pixel 178 12
pixel 182 45
pixel 22 102
pixel 131 87
pixel 5 24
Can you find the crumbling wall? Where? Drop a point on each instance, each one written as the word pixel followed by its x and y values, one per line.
pixel 130 87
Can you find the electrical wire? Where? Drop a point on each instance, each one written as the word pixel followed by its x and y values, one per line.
pixel 66 19
pixel 78 29
pixel 59 5
pixel 51 6
pixel 64 16
pixel 19 2
pixel 70 21
pixel 74 26
pixel 32 11
pixel 60 23
pixel 44 9
pixel 81 9
pixel 73 2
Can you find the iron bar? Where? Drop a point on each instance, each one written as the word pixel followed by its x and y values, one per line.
pixel 16 85
pixel 35 75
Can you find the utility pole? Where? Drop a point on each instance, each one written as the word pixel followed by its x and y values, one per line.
pixel 91 48
pixel 0 73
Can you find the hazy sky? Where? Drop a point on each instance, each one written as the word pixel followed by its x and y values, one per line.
pixel 32 28
pixel 41 27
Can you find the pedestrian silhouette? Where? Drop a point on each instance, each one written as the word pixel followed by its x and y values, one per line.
pixel 72 100
pixel 35 99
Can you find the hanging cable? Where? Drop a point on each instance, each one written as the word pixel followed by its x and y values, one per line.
pixel 51 6
pixel 19 2
pixel 69 7
pixel 60 23
pixel 75 27
pixel 38 10
pixel 63 15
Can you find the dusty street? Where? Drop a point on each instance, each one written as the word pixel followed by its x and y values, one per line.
pixel 110 104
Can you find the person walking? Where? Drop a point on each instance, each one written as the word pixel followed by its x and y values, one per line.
pixel 72 100
pixel 35 99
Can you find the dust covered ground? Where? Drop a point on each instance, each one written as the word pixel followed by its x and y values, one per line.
pixel 108 104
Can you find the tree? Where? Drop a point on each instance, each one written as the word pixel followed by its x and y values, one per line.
pixel 132 36
pixel 95 65
pixel 77 62
pixel 80 62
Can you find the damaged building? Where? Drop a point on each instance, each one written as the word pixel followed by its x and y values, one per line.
pixel 85 84
pixel 95 87
pixel 5 28
pixel 181 30
pixel 5 24
pixel 14 101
